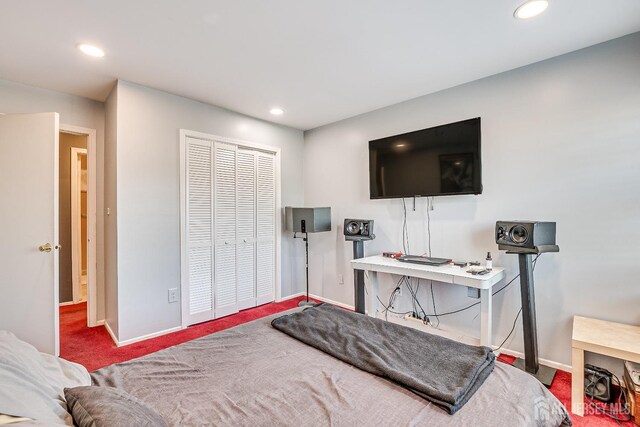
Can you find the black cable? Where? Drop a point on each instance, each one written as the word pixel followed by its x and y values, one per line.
pixel 424 317
pixel 614 415
pixel 415 299
pixel 392 298
pixel 405 230
pixel 493 294
pixel 429 224
pixel 515 322
pixel 391 311
pixel 433 301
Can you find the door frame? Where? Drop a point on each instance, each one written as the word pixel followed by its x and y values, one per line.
pixel 76 223
pixel 92 197
pixel 184 134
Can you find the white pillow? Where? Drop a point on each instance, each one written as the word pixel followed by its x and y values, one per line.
pixel 33 383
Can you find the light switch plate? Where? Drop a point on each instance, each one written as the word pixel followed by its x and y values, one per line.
pixel 173 295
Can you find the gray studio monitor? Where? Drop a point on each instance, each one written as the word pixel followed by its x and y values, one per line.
pixel 358 229
pixel 315 219
pixel 526 236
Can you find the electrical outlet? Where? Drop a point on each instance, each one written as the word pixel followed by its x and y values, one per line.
pixel 173 295
pixel 340 279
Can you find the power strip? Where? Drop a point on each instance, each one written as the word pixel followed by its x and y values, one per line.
pixel 413 318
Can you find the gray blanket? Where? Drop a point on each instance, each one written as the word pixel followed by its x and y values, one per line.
pixel 254 375
pixel 441 370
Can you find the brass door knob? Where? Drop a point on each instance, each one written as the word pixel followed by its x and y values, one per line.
pixel 47 247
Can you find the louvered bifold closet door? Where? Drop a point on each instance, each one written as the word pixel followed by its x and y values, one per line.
pixel 225 230
pixel 266 227
pixel 246 228
pixel 199 230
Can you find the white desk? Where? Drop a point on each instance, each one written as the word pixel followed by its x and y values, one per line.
pixel 454 275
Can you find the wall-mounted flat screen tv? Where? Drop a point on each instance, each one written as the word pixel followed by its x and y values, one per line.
pixel 438 161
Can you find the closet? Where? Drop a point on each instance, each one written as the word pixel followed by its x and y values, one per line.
pixel 228 228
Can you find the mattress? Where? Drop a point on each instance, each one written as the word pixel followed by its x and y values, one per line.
pixel 255 375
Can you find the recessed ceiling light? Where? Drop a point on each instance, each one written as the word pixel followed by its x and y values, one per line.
pixel 277 111
pixel 91 50
pixel 530 9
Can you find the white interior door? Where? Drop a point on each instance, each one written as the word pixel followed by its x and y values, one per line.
pixel 29 219
pixel 246 227
pixel 266 228
pixel 225 299
pixel 197 298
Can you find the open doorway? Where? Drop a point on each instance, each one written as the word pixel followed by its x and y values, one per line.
pixel 79 237
pixel 77 225
pixel 73 227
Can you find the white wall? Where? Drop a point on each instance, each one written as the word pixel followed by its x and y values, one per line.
pixel 77 111
pixel 560 142
pixel 148 217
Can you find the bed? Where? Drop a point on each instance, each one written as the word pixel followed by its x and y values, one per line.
pixel 255 375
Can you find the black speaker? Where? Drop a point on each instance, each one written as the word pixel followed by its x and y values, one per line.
pixel 525 234
pixel 358 229
pixel 597 383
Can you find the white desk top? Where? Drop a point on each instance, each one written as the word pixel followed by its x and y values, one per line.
pixel 446 274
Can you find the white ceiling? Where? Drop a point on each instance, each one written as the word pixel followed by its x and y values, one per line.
pixel 321 61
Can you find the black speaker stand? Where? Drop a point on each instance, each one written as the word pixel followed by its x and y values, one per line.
pixel 303 227
pixel 358 278
pixel 530 363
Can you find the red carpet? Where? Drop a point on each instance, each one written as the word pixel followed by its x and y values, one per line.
pixel 93 347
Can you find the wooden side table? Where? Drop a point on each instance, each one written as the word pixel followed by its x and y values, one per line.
pixel 598 336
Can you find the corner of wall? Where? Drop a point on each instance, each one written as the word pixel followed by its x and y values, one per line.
pixel 110 209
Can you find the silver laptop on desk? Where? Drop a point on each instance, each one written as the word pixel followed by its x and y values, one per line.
pixel 417 259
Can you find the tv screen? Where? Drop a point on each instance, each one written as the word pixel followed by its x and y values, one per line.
pixel 438 161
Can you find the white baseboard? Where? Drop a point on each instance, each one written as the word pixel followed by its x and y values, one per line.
pixel 138 339
pixel 113 336
pixel 546 362
pixel 148 336
pixel 299 294
pixel 100 322
pixel 319 298
pixel 330 301
pixel 62 304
